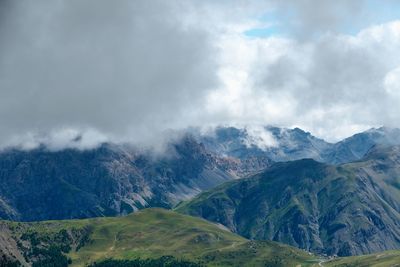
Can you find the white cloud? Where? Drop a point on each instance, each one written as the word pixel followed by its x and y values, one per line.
pixel 333 86
pixel 259 137
pixel 392 82
pixel 58 139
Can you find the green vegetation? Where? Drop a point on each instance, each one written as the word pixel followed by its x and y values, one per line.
pixel 44 244
pixel 5 262
pixel 345 210
pixel 165 261
pixel 148 234
pixel 383 259
pixel 154 233
pixel 159 238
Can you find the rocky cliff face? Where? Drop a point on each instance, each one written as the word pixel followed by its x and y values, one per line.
pixel 110 180
pixel 349 209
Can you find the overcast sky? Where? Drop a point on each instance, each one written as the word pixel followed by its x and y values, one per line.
pixel 130 70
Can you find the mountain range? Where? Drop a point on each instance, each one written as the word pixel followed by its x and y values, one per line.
pixel 346 209
pixel 276 184
pixel 294 144
pixel 112 179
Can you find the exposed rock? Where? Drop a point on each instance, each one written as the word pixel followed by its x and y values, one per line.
pixel 110 180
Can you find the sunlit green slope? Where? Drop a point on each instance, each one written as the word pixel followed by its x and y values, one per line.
pixel 152 233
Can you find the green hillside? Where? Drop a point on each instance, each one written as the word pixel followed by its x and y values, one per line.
pixel 347 210
pixel 383 259
pixel 151 233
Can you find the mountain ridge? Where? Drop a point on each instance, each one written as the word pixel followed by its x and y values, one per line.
pixel 295 144
pixel 349 209
pixel 113 179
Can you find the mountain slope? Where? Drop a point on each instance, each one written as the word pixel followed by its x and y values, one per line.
pixel 346 210
pixel 356 146
pixel 151 233
pixel 107 181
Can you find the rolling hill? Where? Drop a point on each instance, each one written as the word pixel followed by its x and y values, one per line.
pixel 150 233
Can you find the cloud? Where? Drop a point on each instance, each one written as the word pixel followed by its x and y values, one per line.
pixel 306 18
pixel 332 86
pixel 126 69
pixel 76 73
pixel 58 139
pixel 392 82
pixel 259 137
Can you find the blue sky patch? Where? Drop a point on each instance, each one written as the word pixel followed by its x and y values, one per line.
pixel 262 32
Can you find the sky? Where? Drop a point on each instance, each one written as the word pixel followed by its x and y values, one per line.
pixel 75 73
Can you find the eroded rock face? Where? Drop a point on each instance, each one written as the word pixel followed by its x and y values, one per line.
pixel 110 180
pixel 9 252
pixel 346 210
pixel 35 244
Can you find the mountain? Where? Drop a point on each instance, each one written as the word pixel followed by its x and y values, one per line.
pixel 356 146
pixel 151 233
pixel 281 144
pixel 115 179
pixel 295 144
pixel 349 209
pixel 110 180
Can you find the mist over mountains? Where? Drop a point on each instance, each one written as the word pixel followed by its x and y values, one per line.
pixel 116 179
pixel 275 184
pixel 292 144
pixel 122 121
